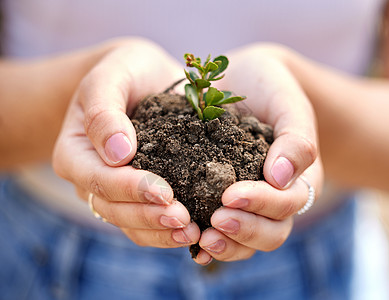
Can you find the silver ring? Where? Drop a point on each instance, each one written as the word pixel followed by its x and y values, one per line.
pixel 92 209
pixel 311 197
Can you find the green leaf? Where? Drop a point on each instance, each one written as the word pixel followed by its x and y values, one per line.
pixel 200 114
pixel 191 96
pixel 212 112
pixel 202 83
pixel 210 67
pixel 191 76
pixel 227 94
pixel 213 96
pixel 222 62
pixel 215 79
pixel 197 66
pixel 230 100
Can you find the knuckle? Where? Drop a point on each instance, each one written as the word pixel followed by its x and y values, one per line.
pixel 110 214
pixel 80 193
pixel 226 255
pixel 259 205
pixel 241 255
pixel 137 240
pixel 162 240
pixel 140 243
pixel 248 255
pixel 85 82
pixel 144 218
pixel 278 241
pixel 94 119
pixel 308 149
pixel 145 44
pixel 140 42
pixel 133 194
pixel 258 49
pixel 96 187
pixel 288 208
pixel 275 244
pixel 58 165
pixel 247 236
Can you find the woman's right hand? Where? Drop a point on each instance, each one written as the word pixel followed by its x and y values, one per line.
pixel 97 141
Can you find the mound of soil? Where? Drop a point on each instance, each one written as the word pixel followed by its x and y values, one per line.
pixel 198 159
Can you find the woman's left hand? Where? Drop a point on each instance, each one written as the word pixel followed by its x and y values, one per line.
pixel 259 215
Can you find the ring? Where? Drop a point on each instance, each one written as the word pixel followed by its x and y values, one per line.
pixel 311 197
pixel 92 209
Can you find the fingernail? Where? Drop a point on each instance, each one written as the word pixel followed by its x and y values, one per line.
pixel 171 222
pixel 228 226
pixel 204 258
pixel 180 237
pixel 117 147
pixel 155 198
pixel 237 203
pixel 216 247
pixel 282 171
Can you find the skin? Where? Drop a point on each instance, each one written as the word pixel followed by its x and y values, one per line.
pixel 96 116
pixel 97 141
pixel 353 116
pixel 35 95
pixel 339 110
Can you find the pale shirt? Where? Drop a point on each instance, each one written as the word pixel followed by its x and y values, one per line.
pixel 339 33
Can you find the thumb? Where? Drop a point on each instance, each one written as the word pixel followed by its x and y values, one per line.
pixel 295 145
pixel 103 95
pixel 276 98
pixel 113 87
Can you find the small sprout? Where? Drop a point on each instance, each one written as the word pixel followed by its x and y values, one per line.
pixel 206 103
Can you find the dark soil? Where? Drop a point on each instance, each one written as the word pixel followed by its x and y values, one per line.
pixel 198 159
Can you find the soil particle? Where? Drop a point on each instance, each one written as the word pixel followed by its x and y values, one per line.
pixel 198 159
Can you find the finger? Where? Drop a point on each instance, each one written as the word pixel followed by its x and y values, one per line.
pixel 288 157
pixel 251 230
pixel 142 216
pixel 79 163
pixel 112 88
pixel 126 184
pixel 222 248
pixel 295 142
pixel 104 102
pixel 172 238
pixel 263 199
pixel 203 258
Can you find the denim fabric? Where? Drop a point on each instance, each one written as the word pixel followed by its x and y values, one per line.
pixel 43 256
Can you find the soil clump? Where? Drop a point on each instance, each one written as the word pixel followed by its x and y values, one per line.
pixel 198 159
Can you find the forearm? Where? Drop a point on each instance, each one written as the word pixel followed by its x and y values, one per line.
pixel 352 115
pixel 34 98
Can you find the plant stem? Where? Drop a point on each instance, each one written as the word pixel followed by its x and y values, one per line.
pixel 201 100
pixel 201 94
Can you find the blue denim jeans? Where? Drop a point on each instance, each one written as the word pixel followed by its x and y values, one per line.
pixel 44 256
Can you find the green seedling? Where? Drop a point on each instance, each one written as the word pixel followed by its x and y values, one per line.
pixel 206 104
